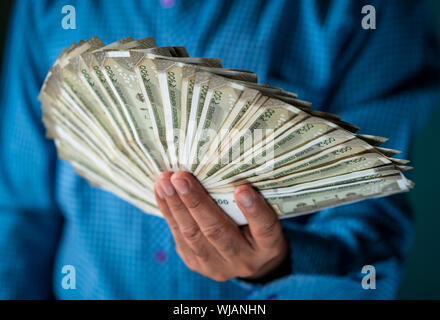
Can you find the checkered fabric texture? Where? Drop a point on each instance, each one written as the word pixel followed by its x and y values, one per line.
pixel 383 80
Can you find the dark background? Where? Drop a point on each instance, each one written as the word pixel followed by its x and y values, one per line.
pixel 422 274
pixel 5 7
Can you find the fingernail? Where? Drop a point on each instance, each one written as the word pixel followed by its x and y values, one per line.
pixel 159 191
pixel 245 198
pixel 181 185
pixel 167 187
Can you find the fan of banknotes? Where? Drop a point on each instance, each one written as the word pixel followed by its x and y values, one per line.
pixel 124 112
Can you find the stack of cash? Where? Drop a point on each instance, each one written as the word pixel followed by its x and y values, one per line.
pixel 125 112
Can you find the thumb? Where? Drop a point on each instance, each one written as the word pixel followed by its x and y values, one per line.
pixel 264 224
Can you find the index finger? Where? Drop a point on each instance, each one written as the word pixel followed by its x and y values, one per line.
pixel 217 227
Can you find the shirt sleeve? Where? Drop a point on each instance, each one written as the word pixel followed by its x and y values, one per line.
pixel 30 223
pixel 386 81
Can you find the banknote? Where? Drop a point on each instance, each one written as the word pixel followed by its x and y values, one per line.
pixel 321 198
pixel 122 113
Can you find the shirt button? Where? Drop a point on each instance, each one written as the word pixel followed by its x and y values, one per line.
pixel 160 256
pixel 167 4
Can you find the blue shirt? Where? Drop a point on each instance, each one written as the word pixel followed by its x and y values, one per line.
pixel 384 80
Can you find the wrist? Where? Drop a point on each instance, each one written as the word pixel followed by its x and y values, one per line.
pixel 273 270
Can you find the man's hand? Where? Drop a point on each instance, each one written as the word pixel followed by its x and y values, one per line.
pixel 208 241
